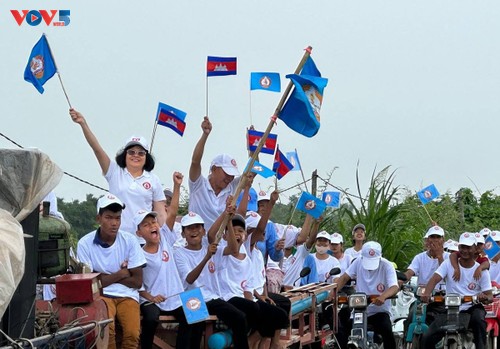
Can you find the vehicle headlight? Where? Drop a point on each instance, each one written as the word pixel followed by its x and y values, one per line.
pixel 452 300
pixel 358 300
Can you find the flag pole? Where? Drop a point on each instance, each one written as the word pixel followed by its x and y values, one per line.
pixel 263 139
pixel 301 171
pixel 206 95
pixel 57 71
pixel 432 221
pixel 153 136
pixel 250 98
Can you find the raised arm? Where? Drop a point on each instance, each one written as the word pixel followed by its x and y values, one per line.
pixel 212 232
pixel 304 232
pixel 195 169
pixel 100 154
pixel 261 226
pixel 314 231
pixel 173 209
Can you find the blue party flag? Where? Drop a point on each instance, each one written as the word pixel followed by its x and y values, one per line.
pixel 265 81
pixel 331 198
pixel 171 117
pixel 311 205
pixel 293 157
pixel 217 66
pixel 253 138
pixel 281 164
pixel 491 247
pixel 301 110
pixel 428 194
pixel 41 66
pixel 194 306
pixel 260 169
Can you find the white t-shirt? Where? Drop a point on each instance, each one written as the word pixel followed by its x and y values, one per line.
pixel 203 201
pixel 235 277
pixel 467 286
pixel 495 271
pixel 136 193
pixel 109 260
pixel 424 267
pixel 345 262
pixel 293 265
pixel 160 277
pixel 374 282
pixel 208 280
pixel 323 266
pixel 352 252
pixel 258 269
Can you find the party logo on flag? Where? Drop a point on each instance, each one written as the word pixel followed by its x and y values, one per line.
pixel 171 117
pixel 491 247
pixel 311 205
pixel 219 66
pixel 331 198
pixel 260 169
pixel 293 157
pixel 428 194
pixel 265 81
pixel 194 306
pixel 281 164
pixel 41 66
pixel 254 137
pixel 301 110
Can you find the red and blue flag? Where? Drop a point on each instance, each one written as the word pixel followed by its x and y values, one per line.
pixel 171 117
pixel 254 137
pixel 219 66
pixel 281 164
pixel 41 66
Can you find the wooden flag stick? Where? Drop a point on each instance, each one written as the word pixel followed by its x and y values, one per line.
pixel 432 221
pixel 57 71
pixel 262 141
pixel 153 136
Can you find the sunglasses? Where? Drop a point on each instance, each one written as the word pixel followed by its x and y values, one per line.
pixel 132 152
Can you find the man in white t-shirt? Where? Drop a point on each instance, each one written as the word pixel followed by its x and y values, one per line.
pixel 117 255
pixel 466 286
pixel 207 195
pixel 374 276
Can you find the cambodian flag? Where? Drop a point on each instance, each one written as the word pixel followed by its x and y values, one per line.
pixel 254 139
pixel 217 66
pixel 281 164
pixel 171 117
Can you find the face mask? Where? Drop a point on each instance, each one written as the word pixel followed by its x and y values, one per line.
pixel 321 249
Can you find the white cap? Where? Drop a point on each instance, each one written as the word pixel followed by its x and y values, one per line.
pixel 370 255
pixel 435 230
pixel 495 235
pixel 141 214
pixel 336 238
pixel 467 239
pixel 108 199
pixel 479 238
pixel 451 245
pixel 263 196
pixel 191 218
pixel 323 234
pixel 252 219
pixel 485 232
pixel 136 140
pixel 227 163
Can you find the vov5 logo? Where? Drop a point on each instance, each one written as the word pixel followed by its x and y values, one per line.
pixel 35 17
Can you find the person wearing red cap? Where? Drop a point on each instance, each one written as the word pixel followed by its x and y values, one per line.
pixel 129 177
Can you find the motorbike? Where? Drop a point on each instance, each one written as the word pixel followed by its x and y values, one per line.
pixel 418 325
pixel 493 319
pixel 400 307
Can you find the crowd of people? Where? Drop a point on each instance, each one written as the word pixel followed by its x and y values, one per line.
pixel 242 261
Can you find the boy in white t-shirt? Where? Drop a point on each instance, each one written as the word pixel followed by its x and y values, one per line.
pixel 337 250
pixel 118 257
pixel 324 262
pixel 466 286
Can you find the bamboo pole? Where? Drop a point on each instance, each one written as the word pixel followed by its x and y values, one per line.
pixel 57 71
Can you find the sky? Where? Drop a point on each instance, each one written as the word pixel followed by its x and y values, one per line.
pixel 412 84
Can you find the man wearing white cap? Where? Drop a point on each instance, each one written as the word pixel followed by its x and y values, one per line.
pixel 207 195
pixel 481 258
pixel 337 250
pixel 374 276
pixel 129 177
pixel 118 257
pixel 467 286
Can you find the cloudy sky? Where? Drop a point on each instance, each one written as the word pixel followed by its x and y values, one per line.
pixel 412 84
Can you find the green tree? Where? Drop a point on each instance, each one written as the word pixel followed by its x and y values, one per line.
pixel 80 214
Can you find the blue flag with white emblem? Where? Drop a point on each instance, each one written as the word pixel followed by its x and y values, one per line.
pixel 331 198
pixel 265 81
pixel 311 205
pixel 293 157
pixel 194 306
pixel 428 194
pixel 301 110
pixel 41 66
pixel 260 169
pixel 491 247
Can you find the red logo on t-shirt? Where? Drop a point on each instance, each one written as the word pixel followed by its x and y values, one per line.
pixel 146 185
pixel 292 259
pixel 164 256
pixel 211 267
pixel 472 286
pixel 380 288
pixel 243 284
